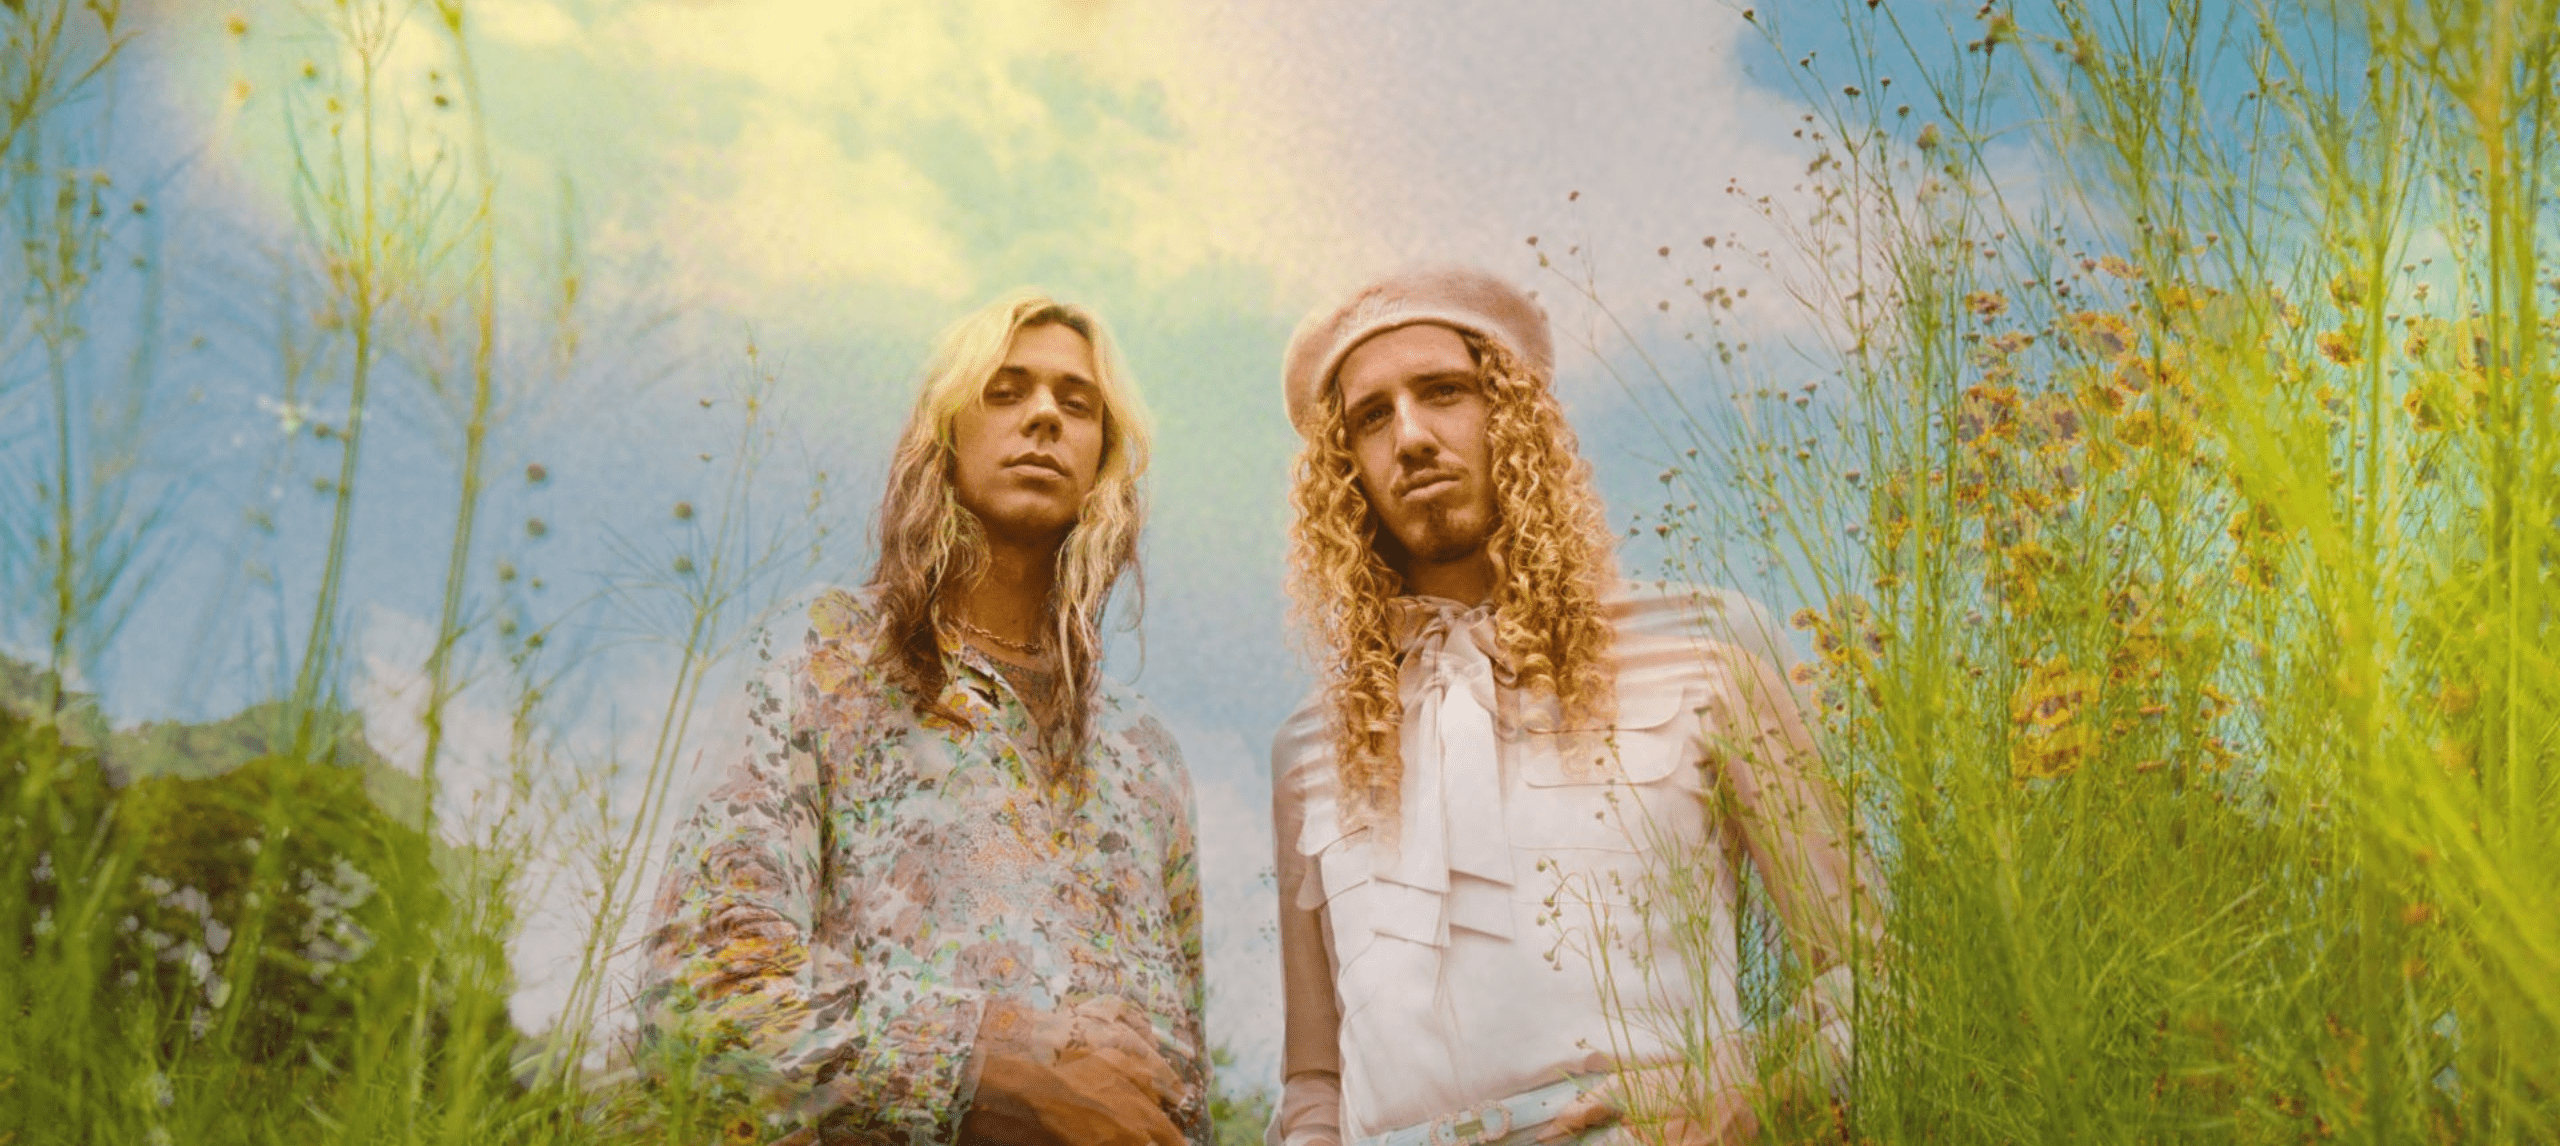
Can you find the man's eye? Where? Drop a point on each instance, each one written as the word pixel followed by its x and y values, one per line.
pixel 1372 417
pixel 1001 395
pixel 1079 406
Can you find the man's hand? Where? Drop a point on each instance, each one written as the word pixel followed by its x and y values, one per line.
pixel 1655 1106
pixel 1084 1102
pixel 1072 1077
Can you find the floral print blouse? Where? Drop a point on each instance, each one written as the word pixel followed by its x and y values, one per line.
pixel 844 903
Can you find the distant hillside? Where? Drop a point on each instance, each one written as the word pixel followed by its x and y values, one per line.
pixel 195 837
pixel 183 750
pixel 23 690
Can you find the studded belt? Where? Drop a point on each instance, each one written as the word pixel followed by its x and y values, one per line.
pixel 1502 1122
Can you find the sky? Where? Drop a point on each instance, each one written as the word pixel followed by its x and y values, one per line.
pixel 828 182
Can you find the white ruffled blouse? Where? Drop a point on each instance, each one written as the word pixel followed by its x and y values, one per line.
pixel 1465 956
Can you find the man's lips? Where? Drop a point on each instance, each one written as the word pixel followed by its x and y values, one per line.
pixel 1036 463
pixel 1424 485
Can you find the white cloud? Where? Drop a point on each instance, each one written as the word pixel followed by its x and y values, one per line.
pixel 816 190
pixel 553 812
pixel 786 209
pixel 471 760
pixel 527 23
pixel 1329 142
pixel 814 51
pixel 1238 908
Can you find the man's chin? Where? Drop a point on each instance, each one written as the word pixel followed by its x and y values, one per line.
pixel 1447 548
pixel 1024 525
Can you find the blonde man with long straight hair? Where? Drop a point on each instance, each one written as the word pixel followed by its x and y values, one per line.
pixel 1508 751
pixel 950 893
pixel 933 544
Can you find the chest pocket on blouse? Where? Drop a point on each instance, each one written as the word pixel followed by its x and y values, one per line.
pixel 1337 865
pixel 1593 796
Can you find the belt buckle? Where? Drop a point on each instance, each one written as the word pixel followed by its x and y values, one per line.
pixel 1472 1127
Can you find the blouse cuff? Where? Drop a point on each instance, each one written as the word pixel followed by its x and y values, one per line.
pixel 1309 1113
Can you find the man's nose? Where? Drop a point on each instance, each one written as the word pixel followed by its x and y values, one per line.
pixel 1412 437
pixel 1040 412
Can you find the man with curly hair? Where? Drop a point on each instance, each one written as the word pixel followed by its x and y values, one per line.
pixel 949 892
pixel 1513 822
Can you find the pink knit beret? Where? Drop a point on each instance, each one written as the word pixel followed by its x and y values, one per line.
pixel 1462 298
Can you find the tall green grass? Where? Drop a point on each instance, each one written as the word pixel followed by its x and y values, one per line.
pixel 255 929
pixel 2174 474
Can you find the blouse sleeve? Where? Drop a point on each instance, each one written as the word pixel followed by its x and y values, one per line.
pixel 1310 1108
pixel 1796 828
pixel 730 985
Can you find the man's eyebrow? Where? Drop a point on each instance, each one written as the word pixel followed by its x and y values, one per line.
pixel 1064 377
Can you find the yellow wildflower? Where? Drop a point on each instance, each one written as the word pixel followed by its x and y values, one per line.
pixel 2139 429
pixel 2140 659
pixel 2256 522
pixel 2048 755
pixel 2048 737
pixel 2421 337
pixel 2101 333
pixel 2430 403
pixel 1988 412
pixel 2056 417
pixel 2104 458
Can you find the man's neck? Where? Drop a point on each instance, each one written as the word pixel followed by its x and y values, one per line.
pixel 1011 596
pixel 1467 580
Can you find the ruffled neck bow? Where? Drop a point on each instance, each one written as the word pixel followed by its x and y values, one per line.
pixel 1452 842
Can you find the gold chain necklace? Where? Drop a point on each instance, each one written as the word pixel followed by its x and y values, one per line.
pixel 1026 649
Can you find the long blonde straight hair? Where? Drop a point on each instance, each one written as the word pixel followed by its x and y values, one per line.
pixel 930 545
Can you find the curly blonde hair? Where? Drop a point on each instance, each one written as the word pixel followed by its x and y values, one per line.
pixel 1552 553
pixel 931 545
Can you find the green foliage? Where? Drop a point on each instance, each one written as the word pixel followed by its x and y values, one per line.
pixel 255 929
pixel 206 955
pixel 2183 564
pixel 1238 1116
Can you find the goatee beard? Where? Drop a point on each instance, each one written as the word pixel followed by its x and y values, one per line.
pixel 1444 539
